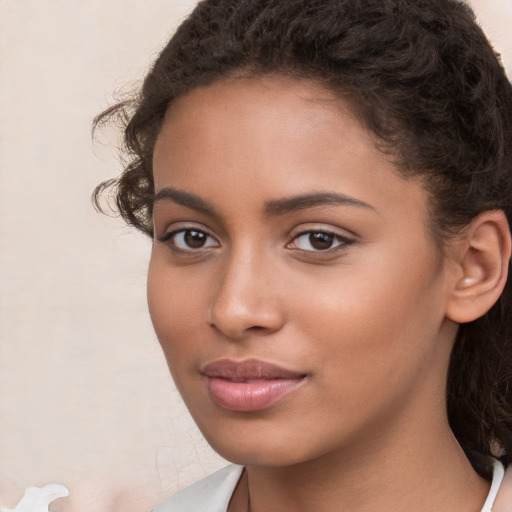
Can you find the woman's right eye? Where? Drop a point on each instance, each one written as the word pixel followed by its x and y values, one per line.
pixel 189 240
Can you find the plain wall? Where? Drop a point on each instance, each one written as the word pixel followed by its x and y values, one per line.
pixel 85 395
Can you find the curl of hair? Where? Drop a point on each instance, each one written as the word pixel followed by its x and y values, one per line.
pixel 421 75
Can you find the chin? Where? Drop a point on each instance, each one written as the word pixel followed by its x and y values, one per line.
pixel 259 449
pixel 249 457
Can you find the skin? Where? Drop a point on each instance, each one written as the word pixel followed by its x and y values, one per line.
pixel 366 320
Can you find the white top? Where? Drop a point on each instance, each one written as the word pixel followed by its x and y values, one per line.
pixel 497 479
pixel 216 490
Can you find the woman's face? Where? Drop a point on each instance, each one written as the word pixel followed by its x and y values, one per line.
pixel 294 284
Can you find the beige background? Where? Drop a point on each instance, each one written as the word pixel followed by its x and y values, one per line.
pixel 85 397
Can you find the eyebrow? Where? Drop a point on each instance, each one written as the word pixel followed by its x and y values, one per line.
pixel 310 200
pixel 185 199
pixel 273 207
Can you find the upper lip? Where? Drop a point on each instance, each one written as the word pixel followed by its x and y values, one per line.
pixel 249 369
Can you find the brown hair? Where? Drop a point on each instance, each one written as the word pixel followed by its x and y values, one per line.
pixel 423 78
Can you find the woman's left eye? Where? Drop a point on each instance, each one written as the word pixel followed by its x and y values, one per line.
pixel 318 241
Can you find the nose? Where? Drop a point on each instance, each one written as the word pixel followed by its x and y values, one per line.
pixel 245 301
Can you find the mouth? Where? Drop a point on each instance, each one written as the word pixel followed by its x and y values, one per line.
pixel 250 385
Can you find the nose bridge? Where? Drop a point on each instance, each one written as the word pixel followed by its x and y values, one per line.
pixel 245 298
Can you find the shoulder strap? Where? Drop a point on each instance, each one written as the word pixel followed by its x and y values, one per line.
pixel 503 502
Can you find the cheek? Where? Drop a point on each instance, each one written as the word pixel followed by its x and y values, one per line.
pixel 175 310
pixel 374 322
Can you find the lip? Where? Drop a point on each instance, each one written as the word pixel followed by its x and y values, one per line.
pixel 249 385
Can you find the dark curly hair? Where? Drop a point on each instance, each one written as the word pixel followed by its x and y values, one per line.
pixel 421 75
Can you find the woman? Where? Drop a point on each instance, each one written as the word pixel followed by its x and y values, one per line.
pixel 327 184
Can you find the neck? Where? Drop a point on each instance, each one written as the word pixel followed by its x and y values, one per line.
pixel 389 475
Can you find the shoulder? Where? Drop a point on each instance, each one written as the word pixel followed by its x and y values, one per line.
pixel 215 490
pixel 503 501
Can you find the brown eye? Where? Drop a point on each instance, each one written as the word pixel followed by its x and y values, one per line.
pixel 195 239
pixel 316 241
pixel 321 241
pixel 191 240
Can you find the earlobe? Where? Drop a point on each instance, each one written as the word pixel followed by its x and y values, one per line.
pixel 482 256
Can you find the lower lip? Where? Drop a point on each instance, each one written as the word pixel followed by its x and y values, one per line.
pixel 250 396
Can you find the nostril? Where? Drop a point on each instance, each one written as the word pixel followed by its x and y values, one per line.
pixel 238 332
pixel 237 309
pixel 238 326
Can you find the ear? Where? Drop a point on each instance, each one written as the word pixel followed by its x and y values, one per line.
pixel 481 257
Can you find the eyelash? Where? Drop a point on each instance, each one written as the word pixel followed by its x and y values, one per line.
pixel 170 238
pixel 341 242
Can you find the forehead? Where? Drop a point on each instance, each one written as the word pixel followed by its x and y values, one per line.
pixel 230 108
pixel 245 141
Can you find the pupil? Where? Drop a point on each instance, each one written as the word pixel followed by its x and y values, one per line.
pixel 321 241
pixel 195 239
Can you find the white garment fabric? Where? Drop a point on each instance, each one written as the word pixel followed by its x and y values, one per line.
pixel 497 479
pixel 213 493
